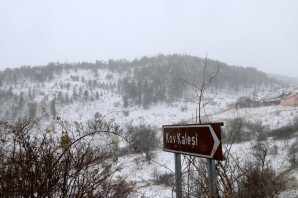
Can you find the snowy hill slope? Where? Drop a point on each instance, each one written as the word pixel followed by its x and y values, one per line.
pixel 82 94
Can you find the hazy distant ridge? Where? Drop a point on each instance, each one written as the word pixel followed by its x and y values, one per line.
pixel 141 82
pixel 189 68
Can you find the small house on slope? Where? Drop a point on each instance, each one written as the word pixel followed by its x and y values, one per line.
pixel 290 99
pixel 270 99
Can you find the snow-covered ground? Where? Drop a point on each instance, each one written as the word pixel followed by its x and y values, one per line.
pixel 142 172
pixel 135 168
pixel 139 171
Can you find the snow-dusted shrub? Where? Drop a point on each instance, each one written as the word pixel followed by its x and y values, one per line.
pixel 293 154
pixel 143 139
pixel 285 132
pixel 237 130
pixel 166 179
pixel 67 161
pixel 125 113
pixel 274 150
pixel 260 183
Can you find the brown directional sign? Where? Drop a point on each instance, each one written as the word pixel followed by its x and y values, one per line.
pixel 202 140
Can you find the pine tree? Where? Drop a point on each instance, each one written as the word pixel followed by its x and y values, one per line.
pixel 21 101
pixel 75 95
pixel 148 95
pixel 97 95
pixel 53 108
pixel 32 108
pixel 66 98
pixel 125 101
pixel 86 95
pixel 60 97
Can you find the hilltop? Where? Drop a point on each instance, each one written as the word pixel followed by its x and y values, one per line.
pixel 120 85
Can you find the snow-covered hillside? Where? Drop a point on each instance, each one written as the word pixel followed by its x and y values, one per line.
pixel 80 94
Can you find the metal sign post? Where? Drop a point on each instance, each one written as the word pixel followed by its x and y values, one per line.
pixel 212 178
pixel 178 175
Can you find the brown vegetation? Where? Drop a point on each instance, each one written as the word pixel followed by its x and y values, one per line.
pixel 64 162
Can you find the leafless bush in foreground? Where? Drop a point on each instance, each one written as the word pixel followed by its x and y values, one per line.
pixel 71 161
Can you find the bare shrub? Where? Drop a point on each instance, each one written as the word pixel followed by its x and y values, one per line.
pixel 63 162
pixel 235 177
pixel 259 183
pixel 166 179
pixel 274 150
pixel 143 139
pixel 240 130
pixel 293 154
pixel 286 132
pixel 236 131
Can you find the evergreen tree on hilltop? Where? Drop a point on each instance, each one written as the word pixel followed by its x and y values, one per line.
pixel 53 108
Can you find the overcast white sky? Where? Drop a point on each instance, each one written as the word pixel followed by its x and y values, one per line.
pixel 256 33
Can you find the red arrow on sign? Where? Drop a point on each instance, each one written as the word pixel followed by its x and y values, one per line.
pixel 202 140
